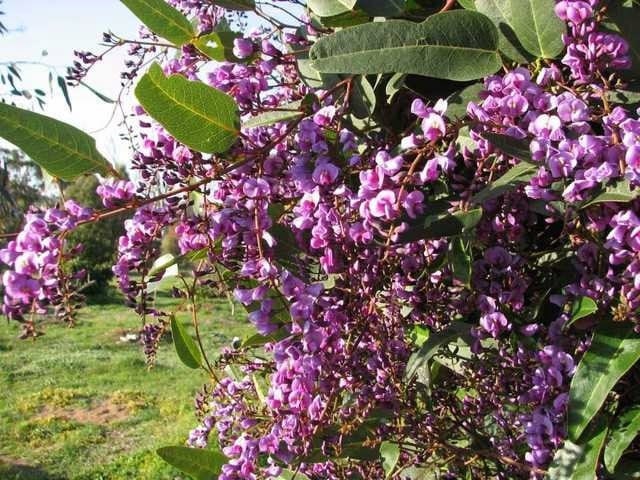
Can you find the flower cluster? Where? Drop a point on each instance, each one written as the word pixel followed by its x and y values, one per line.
pixel 36 278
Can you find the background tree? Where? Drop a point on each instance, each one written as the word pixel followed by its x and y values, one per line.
pixel 99 239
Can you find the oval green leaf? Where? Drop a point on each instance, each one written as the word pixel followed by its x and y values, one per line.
pixel 199 463
pixel 187 350
pixel 579 461
pixel 448 225
pixel 615 348
pixel 538 27
pixel 218 45
pixel 454 45
pixel 619 192
pixel 499 11
pixel 197 115
pixel 582 307
pixel 624 430
pixel 390 453
pixel 162 19
pixel 63 151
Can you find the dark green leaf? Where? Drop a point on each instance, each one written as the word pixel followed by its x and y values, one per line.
pixel 186 348
pixel 241 5
pixel 500 13
pixel 60 149
pixel 259 340
pixel 579 461
pixel 292 475
pixel 457 103
pixel 363 98
pixel 440 227
pixel 537 26
pixel 381 8
pixel 625 17
pixel 390 453
pixel 199 463
pixel 615 348
pixel 460 260
pixel 420 359
pixel 455 45
pixel 582 307
pixel 395 83
pixel 62 84
pixel 196 114
pixel 620 192
pixel 102 97
pixel 624 97
pixel 624 430
pixel 346 19
pixel 162 19
pixel 514 177
pixel 328 8
pixel 513 147
pixel 284 113
pixel 218 45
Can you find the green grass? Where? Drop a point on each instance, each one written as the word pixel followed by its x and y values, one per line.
pixel 79 404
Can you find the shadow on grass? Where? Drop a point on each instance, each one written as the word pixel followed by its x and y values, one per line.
pixel 18 471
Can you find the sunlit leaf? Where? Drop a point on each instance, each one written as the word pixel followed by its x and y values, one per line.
pixel 615 348
pixel 62 150
pixel 196 114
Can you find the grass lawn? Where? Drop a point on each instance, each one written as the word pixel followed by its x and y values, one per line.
pixel 80 404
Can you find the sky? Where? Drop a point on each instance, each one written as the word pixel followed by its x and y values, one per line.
pixel 60 27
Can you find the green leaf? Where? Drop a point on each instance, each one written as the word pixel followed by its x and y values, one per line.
pixel 390 453
pixel 537 26
pixel 62 150
pixel 579 461
pixel 521 173
pixel 291 475
pixel 382 8
pixel 346 19
pixel 101 96
pixel 363 98
pixel 511 146
pixel 454 45
pixel 468 4
pixel 327 8
pixel 439 227
pixel 624 430
pixel 458 101
pixel 615 348
pixel 420 359
pixel 625 17
pixel 218 45
pixel 258 340
pixel 162 19
pixel 582 307
pixel 623 97
pixel 62 84
pixel 620 192
pixel 460 260
pixel 284 113
pixel 199 463
pixel 197 115
pixel 240 5
pixel 500 13
pixel 395 83
pixel 186 348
